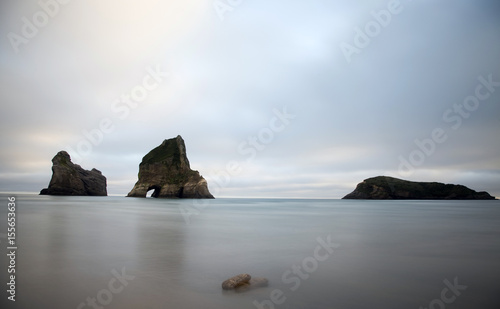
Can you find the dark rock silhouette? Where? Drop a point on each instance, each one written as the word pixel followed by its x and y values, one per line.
pixel 384 187
pixel 166 170
pixel 71 179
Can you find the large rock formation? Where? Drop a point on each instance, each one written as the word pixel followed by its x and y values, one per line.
pixel 166 170
pixel 383 187
pixel 72 179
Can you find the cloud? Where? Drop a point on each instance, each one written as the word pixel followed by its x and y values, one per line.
pixel 353 120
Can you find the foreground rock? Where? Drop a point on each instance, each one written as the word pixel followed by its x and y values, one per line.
pixel 255 282
pixel 236 281
pixel 166 170
pixel 383 187
pixel 243 283
pixel 71 179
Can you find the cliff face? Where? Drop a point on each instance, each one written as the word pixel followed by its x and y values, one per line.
pixel 383 187
pixel 166 170
pixel 72 179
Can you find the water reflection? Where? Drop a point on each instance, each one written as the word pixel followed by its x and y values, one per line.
pixel 392 254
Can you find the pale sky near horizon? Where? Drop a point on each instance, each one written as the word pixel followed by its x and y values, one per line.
pixel 366 85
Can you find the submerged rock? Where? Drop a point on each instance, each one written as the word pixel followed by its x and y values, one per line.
pixel 166 170
pixel 71 179
pixel 255 282
pixel 383 187
pixel 236 281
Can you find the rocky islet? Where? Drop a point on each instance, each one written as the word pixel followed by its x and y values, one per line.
pixel 71 179
pixel 384 188
pixel 166 170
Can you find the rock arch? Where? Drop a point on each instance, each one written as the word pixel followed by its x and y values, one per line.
pixel 156 190
pixel 166 170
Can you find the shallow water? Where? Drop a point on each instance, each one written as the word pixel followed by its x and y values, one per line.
pixel 387 254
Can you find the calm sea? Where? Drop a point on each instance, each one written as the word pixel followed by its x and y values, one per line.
pixel 117 252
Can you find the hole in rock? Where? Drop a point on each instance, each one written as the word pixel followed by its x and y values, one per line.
pixel 156 191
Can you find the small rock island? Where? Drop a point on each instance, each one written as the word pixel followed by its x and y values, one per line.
pixel 384 188
pixel 166 170
pixel 71 179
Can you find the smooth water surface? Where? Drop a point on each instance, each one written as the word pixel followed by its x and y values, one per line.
pixel 387 254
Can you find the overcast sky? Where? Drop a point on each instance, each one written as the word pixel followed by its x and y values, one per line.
pixel 273 98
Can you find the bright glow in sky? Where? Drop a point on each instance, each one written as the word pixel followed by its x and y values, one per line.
pixel 95 73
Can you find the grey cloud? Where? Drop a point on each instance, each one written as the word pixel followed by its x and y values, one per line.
pixel 352 120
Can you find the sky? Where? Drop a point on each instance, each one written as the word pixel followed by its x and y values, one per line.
pixel 293 99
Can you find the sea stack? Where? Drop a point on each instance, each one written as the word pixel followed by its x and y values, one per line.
pixel 385 188
pixel 166 170
pixel 71 179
